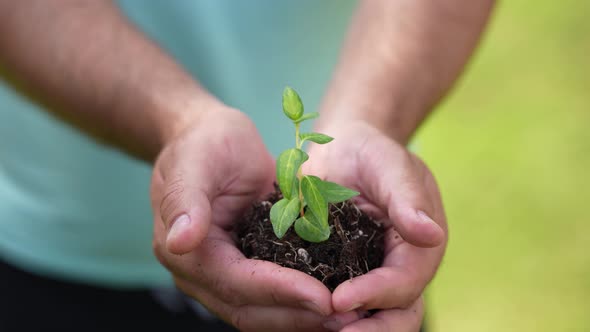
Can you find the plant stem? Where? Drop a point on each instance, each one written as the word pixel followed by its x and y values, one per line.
pixel 297 138
pixel 298 144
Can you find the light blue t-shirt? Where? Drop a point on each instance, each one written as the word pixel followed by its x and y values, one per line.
pixel 73 209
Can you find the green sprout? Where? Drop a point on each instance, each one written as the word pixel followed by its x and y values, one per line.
pixel 305 197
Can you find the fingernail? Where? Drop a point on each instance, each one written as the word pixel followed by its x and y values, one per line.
pixel 332 325
pixel 424 217
pixel 313 307
pixel 354 307
pixel 178 227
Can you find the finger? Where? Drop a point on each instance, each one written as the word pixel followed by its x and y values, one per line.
pixel 338 320
pixel 220 267
pixel 401 191
pixel 181 202
pixel 383 287
pixel 406 271
pixel 398 320
pixel 256 317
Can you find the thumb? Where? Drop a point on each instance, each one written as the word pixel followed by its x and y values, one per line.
pixel 407 192
pixel 414 223
pixel 186 213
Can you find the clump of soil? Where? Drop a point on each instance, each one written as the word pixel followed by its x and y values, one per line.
pixel 356 244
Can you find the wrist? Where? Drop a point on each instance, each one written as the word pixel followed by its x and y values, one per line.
pixel 390 127
pixel 176 116
pixel 387 111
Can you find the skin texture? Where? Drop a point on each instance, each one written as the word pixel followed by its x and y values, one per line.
pixel 394 185
pixel 135 99
pixel 399 59
pixel 212 188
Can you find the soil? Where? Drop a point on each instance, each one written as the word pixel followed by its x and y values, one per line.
pixel 356 244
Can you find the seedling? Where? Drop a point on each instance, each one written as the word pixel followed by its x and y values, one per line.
pixel 305 197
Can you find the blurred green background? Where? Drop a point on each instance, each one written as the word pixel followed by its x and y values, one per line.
pixel 510 148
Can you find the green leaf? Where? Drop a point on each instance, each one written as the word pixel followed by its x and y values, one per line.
pixel 335 193
pixel 282 215
pixel 288 163
pixel 311 229
pixel 307 116
pixel 316 138
pixel 295 189
pixel 310 186
pixel 292 105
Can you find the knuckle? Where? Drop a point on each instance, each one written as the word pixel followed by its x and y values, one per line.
pixel 172 200
pixel 303 323
pixel 226 292
pixel 409 294
pixel 402 295
pixel 406 301
pixel 238 317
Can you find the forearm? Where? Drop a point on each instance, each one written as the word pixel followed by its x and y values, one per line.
pixel 84 62
pixel 399 59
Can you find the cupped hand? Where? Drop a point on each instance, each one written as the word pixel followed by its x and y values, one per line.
pixel 202 182
pixel 397 188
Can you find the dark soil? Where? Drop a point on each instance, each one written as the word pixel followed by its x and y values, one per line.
pixel 355 247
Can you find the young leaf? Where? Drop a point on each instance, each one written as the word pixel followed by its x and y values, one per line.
pixel 316 138
pixel 307 116
pixel 295 189
pixel 310 186
pixel 335 193
pixel 292 105
pixel 282 215
pixel 288 163
pixel 311 229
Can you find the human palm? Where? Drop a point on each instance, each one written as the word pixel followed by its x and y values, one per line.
pixel 202 183
pixel 397 188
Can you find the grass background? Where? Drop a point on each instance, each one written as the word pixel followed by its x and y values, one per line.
pixel 510 148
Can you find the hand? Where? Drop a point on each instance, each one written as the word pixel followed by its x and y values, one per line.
pixel 202 182
pixel 397 188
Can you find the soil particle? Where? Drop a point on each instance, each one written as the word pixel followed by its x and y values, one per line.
pixel 355 246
